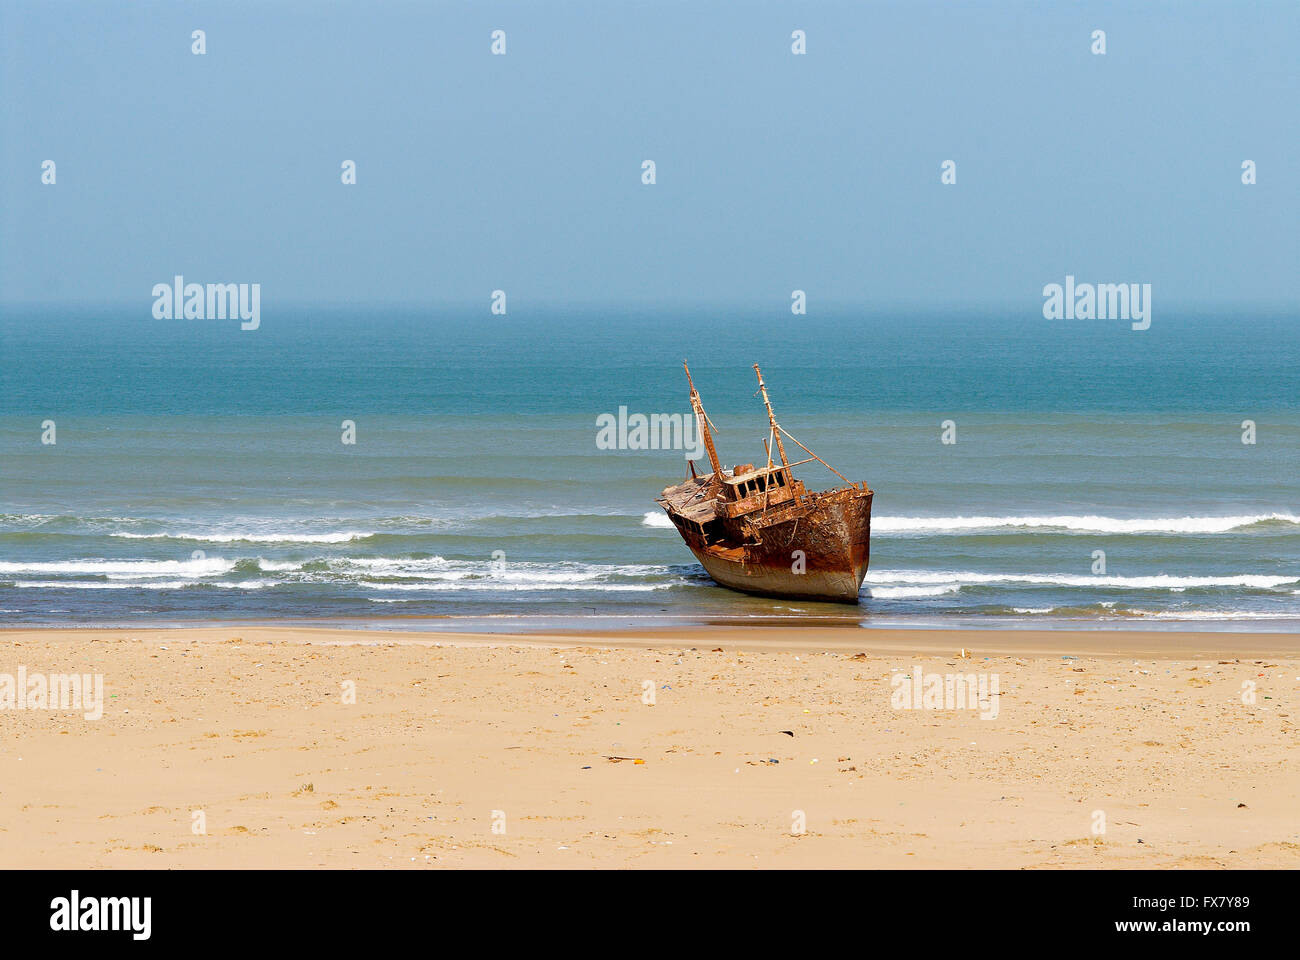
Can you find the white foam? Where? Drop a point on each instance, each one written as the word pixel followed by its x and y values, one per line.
pixel 1157 582
pixel 141 585
pixel 1212 615
pixel 908 593
pixel 656 518
pixel 499 586
pixel 1133 614
pixel 344 536
pixel 385 564
pixel 1075 524
pixel 208 566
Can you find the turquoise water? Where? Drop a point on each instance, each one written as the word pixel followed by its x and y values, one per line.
pixel 198 471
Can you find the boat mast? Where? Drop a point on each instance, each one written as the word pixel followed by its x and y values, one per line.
pixel 777 429
pixel 702 419
pixel 771 419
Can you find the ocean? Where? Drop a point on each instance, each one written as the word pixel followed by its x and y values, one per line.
pixel 1099 476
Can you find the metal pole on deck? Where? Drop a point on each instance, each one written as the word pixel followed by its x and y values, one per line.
pixel 771 418
pixel 702 419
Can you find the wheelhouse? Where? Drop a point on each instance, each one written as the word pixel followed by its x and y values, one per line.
pixel 748 489
pixel 757 482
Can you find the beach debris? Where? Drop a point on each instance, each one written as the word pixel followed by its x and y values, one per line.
pixel 788 733
pixel 1241 806
pixel 963 654
pixel 621 759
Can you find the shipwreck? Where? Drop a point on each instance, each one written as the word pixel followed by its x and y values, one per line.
pixel 761 531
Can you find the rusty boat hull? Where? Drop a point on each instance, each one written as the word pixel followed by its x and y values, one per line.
pixel 833 537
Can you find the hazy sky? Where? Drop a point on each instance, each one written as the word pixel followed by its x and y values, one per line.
pixel 775 172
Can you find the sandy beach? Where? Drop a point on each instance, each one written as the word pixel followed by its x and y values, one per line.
pixel 229 746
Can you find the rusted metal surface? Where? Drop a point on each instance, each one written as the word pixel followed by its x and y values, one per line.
pixel 761 531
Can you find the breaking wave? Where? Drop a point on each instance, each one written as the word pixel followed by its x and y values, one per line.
pixel 411 574
pixel 1057 523
pixel 345 536
pixel 1089 523
pixel 912 593
pixel 962 578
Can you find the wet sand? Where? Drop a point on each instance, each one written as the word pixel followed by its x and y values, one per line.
pixel 231 746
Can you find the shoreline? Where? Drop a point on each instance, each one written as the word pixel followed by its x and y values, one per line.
pixel 1186 644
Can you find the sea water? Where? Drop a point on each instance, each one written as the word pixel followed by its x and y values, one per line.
pixel 1093 475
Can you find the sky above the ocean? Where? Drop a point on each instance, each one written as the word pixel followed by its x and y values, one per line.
pixel 773 171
